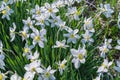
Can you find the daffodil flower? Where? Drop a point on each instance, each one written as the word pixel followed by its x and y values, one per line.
pixel 24 33
pixel 42 20
pixel 33 57
pixel 72 36
pixel 27 50
pixel 51 9
pixel 87 37
pixel 48 74
pixel 60 44
pixel 37 11
pixel 39 37
pixel 55 21
pixel 28 76
pixel 78 56
pixel 28 23
pixel 59 3
pixel 108 43
pixel 107 11
pixel 105 47
pixel 34 67
pixel 104 66
pixel 103 50
pixel 62 66
pixel 88 25
pixel 62 26
pixel 6 11
pixel 73 13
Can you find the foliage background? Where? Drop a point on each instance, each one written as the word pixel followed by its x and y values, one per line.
pixel 103 27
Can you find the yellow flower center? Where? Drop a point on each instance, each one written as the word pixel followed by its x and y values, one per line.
pixel 23 79
pixel 4 12
pixel 31 60
pixel 8 7
pixel 62 66
pixel 61 46
pixel 90 28
pixel 72 36
pixel 47 74
pixel 33 69
pixel 87 37
pixel 104 65
pixel 42 21
pixel 29 24
pixel 103 9
pixel 26 50
pixel 37 38
pixel 5 0
pixel 38 12
pixel 105 50
pixel 50 10
pixel 80 56
pixel 1 76
pixel 55 21
pixel 24 34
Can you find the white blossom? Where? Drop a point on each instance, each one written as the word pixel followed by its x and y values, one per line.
pixel 104 66
pixel 78 56
pixel 72 36
pixel 60 44
pixel 107 11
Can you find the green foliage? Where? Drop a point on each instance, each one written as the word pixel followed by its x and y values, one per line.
pixel 13 50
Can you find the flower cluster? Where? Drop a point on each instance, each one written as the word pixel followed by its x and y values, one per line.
pixel 46 30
